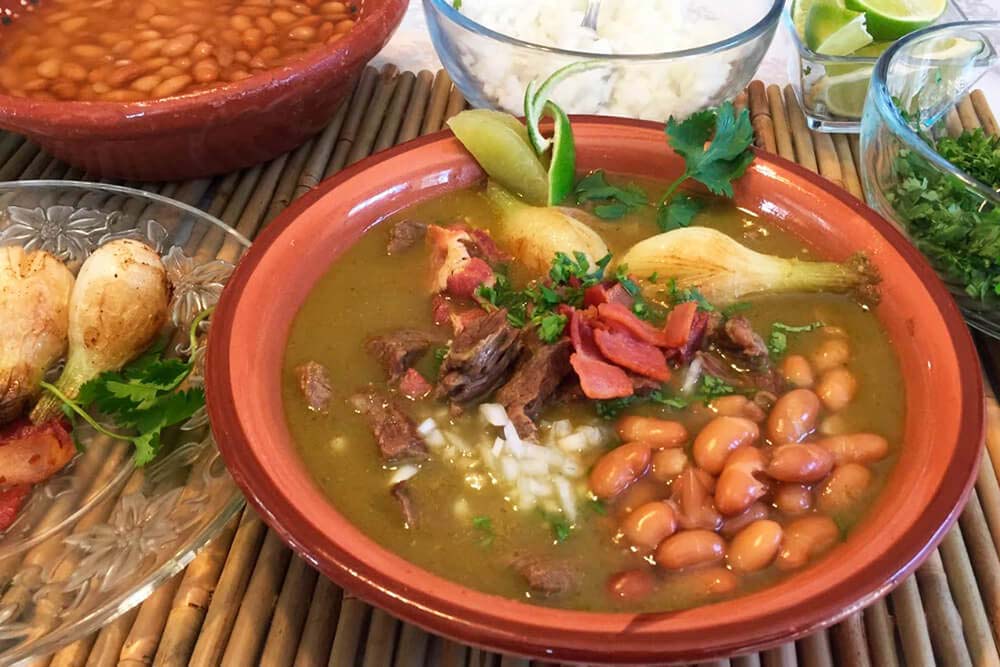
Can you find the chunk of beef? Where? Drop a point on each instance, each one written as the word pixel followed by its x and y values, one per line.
pixel 414 385
pixel 401 492
pixel 480 244
pixel 480 359
pixel 453 269
pixel 394 431
pixel 535 379
pixel 741 377
pixel 551 578
pixel 405 234
pixel 399 350
pixel 741 335
pixel 314 382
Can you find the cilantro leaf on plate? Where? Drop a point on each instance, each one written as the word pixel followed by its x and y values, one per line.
pixel 613 202
pixel 678 213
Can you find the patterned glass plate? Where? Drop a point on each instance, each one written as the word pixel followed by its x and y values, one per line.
pixel 99 537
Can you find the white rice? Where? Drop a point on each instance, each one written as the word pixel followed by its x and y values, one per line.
pixel 653 90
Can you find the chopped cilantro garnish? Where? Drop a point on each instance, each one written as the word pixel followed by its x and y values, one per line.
pixel 676 295
pixel 679 213
pixel 735 308
pixel 713 387
pixel 485 526
pixel 551 327
pixel 597 507
pixel 612 202
pixel 611 408
pixel 560 529
pixel 777 342
pixel 654 277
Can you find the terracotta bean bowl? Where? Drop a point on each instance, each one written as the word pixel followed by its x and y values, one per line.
pixel 210 132
pixel 944 426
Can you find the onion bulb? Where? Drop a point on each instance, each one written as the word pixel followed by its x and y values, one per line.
pixel 118 306
pixel 724 271
pixel 34 317
pixel 534 234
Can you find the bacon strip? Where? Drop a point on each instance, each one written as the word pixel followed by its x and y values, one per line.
pixel 615 313
pixel 677 330
pixel 632 354
pixel 599 379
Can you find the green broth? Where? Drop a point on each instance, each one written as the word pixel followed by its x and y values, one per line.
pixel 366 293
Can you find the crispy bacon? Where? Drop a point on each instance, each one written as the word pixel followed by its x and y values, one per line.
pixel 599 379
pixel 632 354
pixel 11 501
pixel 582 334
pixel 30 454
pixel 677 331
pixel 464 282
pixel 620 316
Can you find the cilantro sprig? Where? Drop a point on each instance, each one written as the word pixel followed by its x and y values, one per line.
pixel 611 202
pixel 777 342
pixel 143 397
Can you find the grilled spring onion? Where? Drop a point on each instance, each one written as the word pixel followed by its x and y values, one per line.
pixel 724 271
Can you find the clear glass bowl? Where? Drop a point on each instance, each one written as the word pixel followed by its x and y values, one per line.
pixel 100 536
pixel 492 69
pixel 832 89
pixel 916 87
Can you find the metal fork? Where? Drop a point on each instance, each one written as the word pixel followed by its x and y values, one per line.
pixel 590 17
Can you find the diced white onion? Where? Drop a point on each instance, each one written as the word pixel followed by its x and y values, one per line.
pixel 494 413
pixel 534 467
pixel 692 377
pixel 539 487
pixel 435 439
pixel 427 426
pixel 575 442
pixel 509 468
pixel 402 474
pixel 565 497
pixel 497 447
pixel 562 428
pixel 513 439
pixel 461 508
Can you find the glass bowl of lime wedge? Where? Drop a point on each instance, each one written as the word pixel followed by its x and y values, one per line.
pixel 928 168
pixel 838 43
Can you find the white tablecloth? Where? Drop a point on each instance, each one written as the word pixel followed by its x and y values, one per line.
pixel 410 48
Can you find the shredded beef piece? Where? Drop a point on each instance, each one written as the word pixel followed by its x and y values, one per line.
pixel 401 492
pixel 764 378
pixel 314 381
pixel 742 336
pixel 413 385
pixel 480 359
pixel 394 431
pixel 548 577
pixel 534 382
pixel 397 351
pixel 482 245
pixel 405 234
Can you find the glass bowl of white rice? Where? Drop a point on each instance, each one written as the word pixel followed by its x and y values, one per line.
pixel 663 57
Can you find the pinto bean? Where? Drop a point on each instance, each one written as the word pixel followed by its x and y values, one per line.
pixel 690 547
pixel 648 525
pixel 844 488
pixel 738 405
pixel 837 388
pixel 631 584
pixel 618 469
pixel 800 463
pixel 831 353
pixel 738 487
pixel 646 490
pixel 659 433
pixel 856 448
pixel 735 524
pixel 708 581
pixel 668 463
pixel 804 539
pixel 690 495
pixel 793 499
pixel 793 417
pixel 755 547
pixel 719 438
pixel 797 372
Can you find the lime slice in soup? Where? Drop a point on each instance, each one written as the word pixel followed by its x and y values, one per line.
pixel 891 19
pixel 500 145
pixel 844 94
pixel 835 31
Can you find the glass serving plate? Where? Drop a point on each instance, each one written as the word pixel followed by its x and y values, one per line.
pixel 832 89
pixel 100 536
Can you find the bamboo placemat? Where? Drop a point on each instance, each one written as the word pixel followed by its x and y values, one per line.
pixel 247 600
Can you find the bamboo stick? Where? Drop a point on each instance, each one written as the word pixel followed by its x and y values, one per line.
pixel 983 555
pixel 381 639
pixel 225 602
pixel 881 634
pixel 412 648
pixel 814 650
pixel 740 101
pixel 849 175
pixel 350 624
pixel 317 635
pixel 953 123
pixel 511 661
pixel 108 646
pixel 943 619
pixel 723 662
pixel 355 114
pixel 983 111
pixel 288 181
pixel 289 615
pixel 782 133
pixel 315 167
pixel 967 114
pixel 140 645
pixel 993 435
pixel 826 157
pixel 962 583
pixel 15 164
pixel 855 143
pixel 749 660
pixel 849 641
pixel 760 117
pixel 804 153
pixel 184 620
pixel 414 117
pixel 249 628
pixel 452 653
pixel 54 170
pixel 437 103
pixel 781 656
pixel 9 143
pixel 377 108
pixel 253 213
pixel 394 115
pixel 988 489
pixel 912 623
pixel 73 655
pixel 456 103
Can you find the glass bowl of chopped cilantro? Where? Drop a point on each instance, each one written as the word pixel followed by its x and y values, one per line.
pixel 924 169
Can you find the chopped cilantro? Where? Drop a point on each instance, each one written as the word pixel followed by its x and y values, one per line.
pixel 597 507
pixel 485 526
pixel 680 213
pixel 611 408
pixel 551 327
pixel 676 295
pixel 735 308
pixel 560 529
pixel 713 387
pixel 612 202
pixel 621 275
pixel 654 277
pixel 777 342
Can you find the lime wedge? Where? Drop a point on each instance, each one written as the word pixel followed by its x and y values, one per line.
pixel 843 94
pixel 873 50
pixel 891 19
pixel 835 31
pixel 949 48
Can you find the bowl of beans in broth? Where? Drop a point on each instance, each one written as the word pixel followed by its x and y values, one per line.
pixel 174 89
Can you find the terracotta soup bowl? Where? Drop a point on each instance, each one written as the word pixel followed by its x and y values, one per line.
pixel 944 425
pixel 228 127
